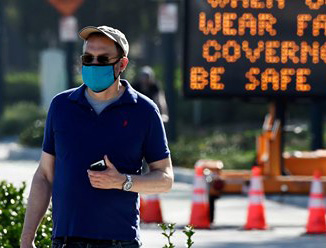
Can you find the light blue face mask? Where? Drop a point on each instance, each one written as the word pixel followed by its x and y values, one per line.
pixel 98 77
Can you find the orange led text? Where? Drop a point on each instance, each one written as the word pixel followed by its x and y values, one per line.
pixel 271 79
pixel 230 24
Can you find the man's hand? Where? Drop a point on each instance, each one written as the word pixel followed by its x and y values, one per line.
pixel 25 244
pixel 110 178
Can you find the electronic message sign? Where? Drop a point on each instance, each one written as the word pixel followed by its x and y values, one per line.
pixel 250 48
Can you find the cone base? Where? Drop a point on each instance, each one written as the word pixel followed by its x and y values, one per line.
pixel 256 218
pixel 141 208
pixel 255 228
pixel 152 213
pixel 316 221
pixel 200 216
pixel 315 233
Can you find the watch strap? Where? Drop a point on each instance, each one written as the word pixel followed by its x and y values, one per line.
pixel 127 183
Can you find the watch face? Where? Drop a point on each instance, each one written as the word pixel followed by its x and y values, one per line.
pixel 127 186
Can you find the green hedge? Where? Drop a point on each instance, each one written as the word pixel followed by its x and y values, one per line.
pixel 16 92
pixel 33 134
pixel 18 117
pixel 21 86
pixel 236 149
pixel 12 213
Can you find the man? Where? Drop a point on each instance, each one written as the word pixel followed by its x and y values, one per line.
pixel 107 119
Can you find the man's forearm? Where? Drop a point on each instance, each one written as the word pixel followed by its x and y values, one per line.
pixel 38 202
pixel 153 182
pixel 158 180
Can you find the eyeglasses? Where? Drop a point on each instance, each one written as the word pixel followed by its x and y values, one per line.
pixel 87 59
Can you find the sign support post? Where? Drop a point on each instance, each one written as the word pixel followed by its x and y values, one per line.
pixel 68 32
pixel 68 35
pixel 280 110
pixel 70 47
pixel 168 26
pixel 1 58
pixel 316 125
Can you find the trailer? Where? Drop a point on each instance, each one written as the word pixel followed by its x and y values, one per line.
pixel 282 172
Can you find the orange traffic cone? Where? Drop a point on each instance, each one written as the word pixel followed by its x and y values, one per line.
pixel 141 207
pixel 316 220
pixel 200 206
pixel 151 210
pixel 256 209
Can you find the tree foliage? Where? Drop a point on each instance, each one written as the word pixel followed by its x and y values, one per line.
pixel 12 212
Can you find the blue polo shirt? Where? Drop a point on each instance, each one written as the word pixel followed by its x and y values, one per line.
pixel 128 130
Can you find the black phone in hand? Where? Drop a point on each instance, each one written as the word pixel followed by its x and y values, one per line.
pixel 98 166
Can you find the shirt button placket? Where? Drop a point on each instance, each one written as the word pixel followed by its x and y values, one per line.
pixel 93 112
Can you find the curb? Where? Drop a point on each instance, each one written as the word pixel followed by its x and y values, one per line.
pixel 14 151
pixel 183 175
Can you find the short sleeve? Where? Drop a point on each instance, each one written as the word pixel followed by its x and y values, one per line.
pixel 48 140
pixel 156 144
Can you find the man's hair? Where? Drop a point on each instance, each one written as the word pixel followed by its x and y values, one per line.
pixel 98 34
pixel 120 50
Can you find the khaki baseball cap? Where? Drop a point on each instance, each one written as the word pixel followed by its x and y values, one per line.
pixel 112 33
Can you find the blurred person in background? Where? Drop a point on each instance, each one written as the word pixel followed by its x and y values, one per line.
pixel 215 190
pixel 105 123
pixel 148 85
pixel 212 172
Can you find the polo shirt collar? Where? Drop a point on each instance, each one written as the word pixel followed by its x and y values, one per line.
pixel 129 96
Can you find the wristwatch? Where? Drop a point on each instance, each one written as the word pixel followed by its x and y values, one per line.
pixel 127 185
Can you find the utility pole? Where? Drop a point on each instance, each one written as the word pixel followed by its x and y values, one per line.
pixel 316 124
pixel 168 26
pixel 68 35
pixel 1 57
pixel 280 110
pixel 68 32
pixel 69 47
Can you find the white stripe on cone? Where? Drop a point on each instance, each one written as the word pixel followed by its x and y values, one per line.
pixel 255 199
pixel 256 183
pixel 153 197
pixel 200 183
pixel 316 199
pixel 201 186
pixel 256 195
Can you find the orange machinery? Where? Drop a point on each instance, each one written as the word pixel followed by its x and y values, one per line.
pixel 299 166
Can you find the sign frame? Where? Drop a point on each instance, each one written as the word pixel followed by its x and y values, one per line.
pixel 197 94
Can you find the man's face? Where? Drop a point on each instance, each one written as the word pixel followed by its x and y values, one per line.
pixel 103 46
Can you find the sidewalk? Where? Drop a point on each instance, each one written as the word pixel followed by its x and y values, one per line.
pixel 11 150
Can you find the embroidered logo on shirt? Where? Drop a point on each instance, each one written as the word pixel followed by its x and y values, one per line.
pixel 125 123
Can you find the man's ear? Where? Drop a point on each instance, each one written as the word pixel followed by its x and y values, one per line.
pixel 123 63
